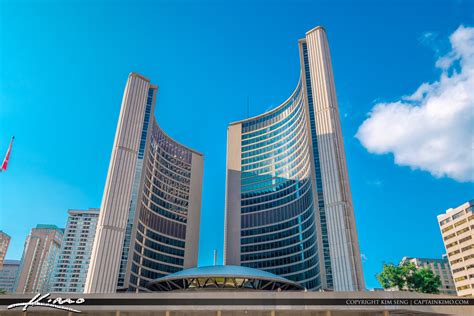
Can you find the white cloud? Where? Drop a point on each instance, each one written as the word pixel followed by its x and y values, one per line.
pixel 433 128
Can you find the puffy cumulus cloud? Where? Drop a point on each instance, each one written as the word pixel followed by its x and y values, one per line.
pixel 433 128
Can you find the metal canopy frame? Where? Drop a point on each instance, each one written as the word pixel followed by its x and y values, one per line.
pixel 222 282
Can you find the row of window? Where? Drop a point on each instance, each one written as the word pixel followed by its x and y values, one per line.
pixel 278 214
pixel 280 243
pixel 270 191
pixel 162 141
pixel 168 201
pixel 159 177
pixel 266 120
pixel 281 126
pixel 287 130
pixel 160 238
pixel 166 187
pixel 278 202
pixel 158 247
pixel 161 224
pixel 160 211
pixel 158 152
pixel 289 259
pixel 307 244
pixel 280 234
pixel 461 259
pixel 156 256
pixel 280 226
pixel 279 165
pixel 288 271
pixel 271 151
pixel 299 172
pixel 158 160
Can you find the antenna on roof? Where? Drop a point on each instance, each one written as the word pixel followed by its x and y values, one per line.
pixel 215 256
pixel 248 106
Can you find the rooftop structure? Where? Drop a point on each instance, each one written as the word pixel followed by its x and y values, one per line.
pixel 223 277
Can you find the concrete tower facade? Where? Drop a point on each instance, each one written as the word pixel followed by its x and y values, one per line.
pixel 39 259
pixel 149 217
pixel 4 242
pixel 288 203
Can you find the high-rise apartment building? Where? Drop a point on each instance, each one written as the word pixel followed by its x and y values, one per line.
pixel 457 229
pixel 74 257
pixel 8 275
pixel 439 267
pixel 4 242
pixel 288 205
pixel 149 218
pixel 39 259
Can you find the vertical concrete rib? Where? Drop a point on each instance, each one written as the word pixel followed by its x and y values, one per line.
pixel 232 224
pixel 344 246
pixel 105 259
pixel 194 213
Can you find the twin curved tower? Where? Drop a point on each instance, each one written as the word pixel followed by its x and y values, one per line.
pixel 288 202
pixel 149 217
pixel 289 206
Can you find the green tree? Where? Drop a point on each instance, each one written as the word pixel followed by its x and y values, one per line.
pixel 407 277
pixel 2 291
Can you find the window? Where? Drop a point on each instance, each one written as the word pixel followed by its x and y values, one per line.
pixel 447 228
pixel 467 248
pixel 458 214
pixel 452 253
pixel 451 244
pixel 460 223
pixel 468 257
pixel 458 279
pixel 465 229
pixel 449 236
pixel 444 222
pixel 465 239
pixel 456 261
pixel 458 270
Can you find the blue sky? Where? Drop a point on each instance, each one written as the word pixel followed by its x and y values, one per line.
pixel 63 68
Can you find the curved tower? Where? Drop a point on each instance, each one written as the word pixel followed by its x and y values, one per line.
pixel 288 205
pixel 148 224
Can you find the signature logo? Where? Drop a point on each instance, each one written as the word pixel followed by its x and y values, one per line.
pixel 44 301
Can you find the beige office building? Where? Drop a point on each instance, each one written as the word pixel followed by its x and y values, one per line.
pixel 4 242
pixel 149 218
pixel 457 229
pixel 439 267
pixel 289 205
pixel 39 259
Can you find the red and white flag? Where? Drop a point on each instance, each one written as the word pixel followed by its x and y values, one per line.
pixel 7 156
